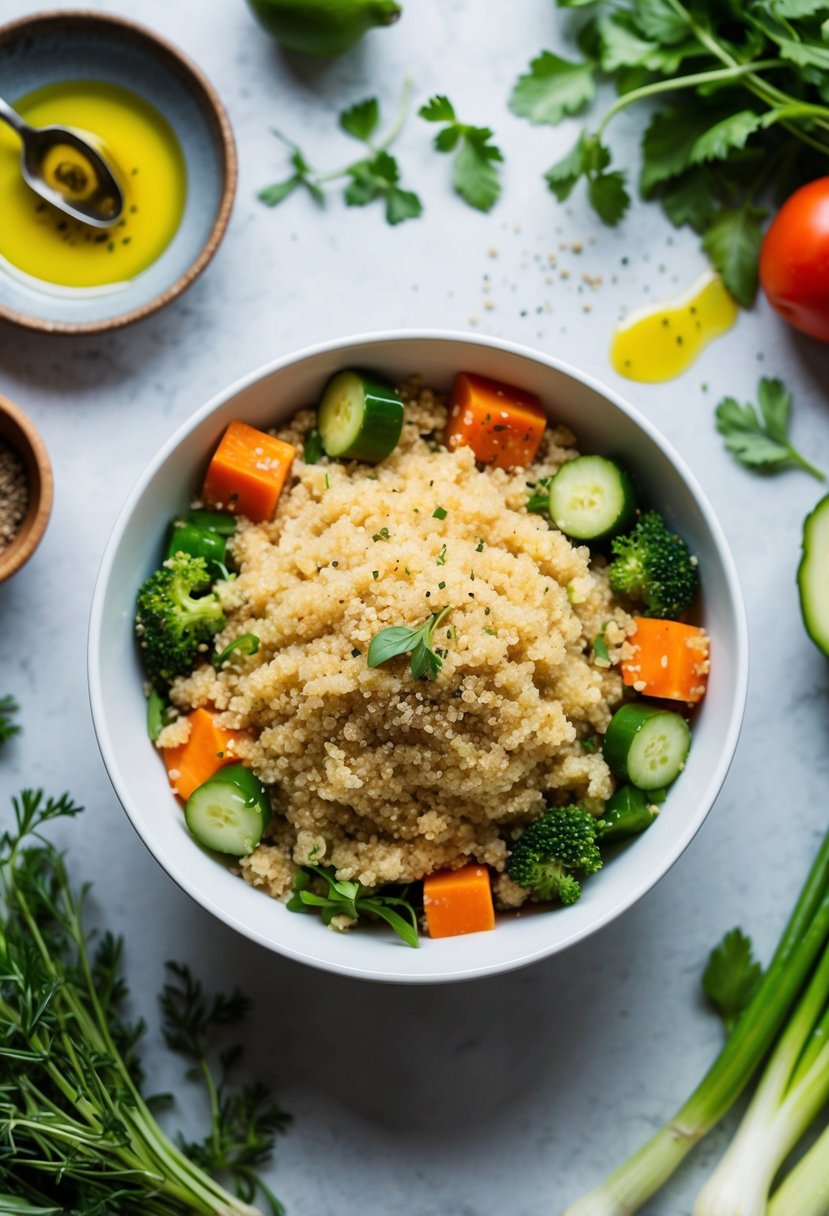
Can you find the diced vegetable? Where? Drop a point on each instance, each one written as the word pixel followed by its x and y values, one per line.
pixel 156 714
pixel 187 537
pixel 670 660
pixel 204 753
pixel 458 901
pixel 813 575
pixel 213 521
pixel 646 745
pixel 627 813
pixel 360 417
pixel 591 497
pixel 503 425
pixel 229 812
pixel 247 472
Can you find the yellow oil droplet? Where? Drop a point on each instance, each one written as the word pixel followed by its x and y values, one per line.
pixel 660 342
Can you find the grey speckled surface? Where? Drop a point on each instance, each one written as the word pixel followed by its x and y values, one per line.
pixel 513 1094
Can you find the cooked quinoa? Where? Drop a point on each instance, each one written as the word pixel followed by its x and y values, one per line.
pixel 382 776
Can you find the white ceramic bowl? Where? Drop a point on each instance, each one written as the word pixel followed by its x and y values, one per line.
pixel 603 423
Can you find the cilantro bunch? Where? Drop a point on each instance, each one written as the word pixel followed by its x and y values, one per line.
pixel 742 102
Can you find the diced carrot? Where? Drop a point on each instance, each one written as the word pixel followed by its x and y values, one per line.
pixel 503 425
pixel 205 752
pixel 670 660
pixel 247 472
pixel 458 901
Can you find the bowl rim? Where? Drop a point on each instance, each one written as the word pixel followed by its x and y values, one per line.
pixel 34 524
pixel 734 596
pixel 198 82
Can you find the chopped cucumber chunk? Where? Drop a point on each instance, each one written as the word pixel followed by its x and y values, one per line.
pixel 813 575
pixel 229 812
pixel 359 417
pixel 590 498
pixel 647 746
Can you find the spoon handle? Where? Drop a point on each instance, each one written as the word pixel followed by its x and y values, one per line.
pixel 7 114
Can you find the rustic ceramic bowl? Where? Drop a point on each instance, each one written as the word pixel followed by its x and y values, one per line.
pixel 20 434
pixel 604 422
pixel 49 47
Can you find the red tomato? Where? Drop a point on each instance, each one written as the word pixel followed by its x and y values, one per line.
pixel 794 260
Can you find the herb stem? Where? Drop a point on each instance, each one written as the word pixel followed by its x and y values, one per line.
pixel 385 143
pixel 692 81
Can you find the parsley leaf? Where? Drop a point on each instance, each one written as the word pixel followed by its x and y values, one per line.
pixel 398 640
pixel 475 176
pixel 732 241
pixel 361 119
pixel 553 88
pixel 762 441
pixel 378 177
pixel 731 977
pixel 8 710
pixel 589 158
pixel 724 136
pixel 313 450
pixel 303 176
pixel 539 500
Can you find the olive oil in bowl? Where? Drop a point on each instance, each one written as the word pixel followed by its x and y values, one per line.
pixel 49 249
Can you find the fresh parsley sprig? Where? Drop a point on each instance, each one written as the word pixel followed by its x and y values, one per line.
pixel 397 640
pixel 731 976
pixel 761 441
pixel 474 172
pixel 352 899
pixel 538 501
pixel 745 105
pixel 375 175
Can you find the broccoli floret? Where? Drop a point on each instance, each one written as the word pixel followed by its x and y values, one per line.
pixel 550 849
pixel 654 566
pixel 176 614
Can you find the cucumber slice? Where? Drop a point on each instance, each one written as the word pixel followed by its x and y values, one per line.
pixel 359 417
pixel 646 745
pixel 627 813
pixel 229 812
pixel 591 497
pixel 813 575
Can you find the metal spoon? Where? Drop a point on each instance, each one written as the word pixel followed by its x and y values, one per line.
pixel 85 186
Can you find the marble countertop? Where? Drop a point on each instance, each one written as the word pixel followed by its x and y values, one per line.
pixel 513 1094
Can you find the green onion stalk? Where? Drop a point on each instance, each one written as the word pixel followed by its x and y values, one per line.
pixel 805 1189
pixel 791 969
pixel 74 1127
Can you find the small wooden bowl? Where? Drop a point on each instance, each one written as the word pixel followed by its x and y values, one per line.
pixel 19 432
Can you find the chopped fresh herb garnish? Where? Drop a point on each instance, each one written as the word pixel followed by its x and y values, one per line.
pixel 490 631
pixel 374 175
pixel 246 644
pixel 327 482
pixel 479 548
pixel 440 560
pixel 355 653
pixel 375 574
pixel 398 640
pixel 539 499
pixel 601 655
pixel 475 175
pixel 441 585
pixel 588 745
pixel 439 513
pixel 383 534
pixel 352 900
pixel 762 441
pixel 313 450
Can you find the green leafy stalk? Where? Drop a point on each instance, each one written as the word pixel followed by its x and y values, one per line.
pixel 374 175
pixel 793 1089
pixel 805 1189
pixel 398 640
pixel 353 901
pixel 245 645
pixel 762 441
pixel 475 174
pixel 804 940
pixel 9 709
pixel 77 1132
